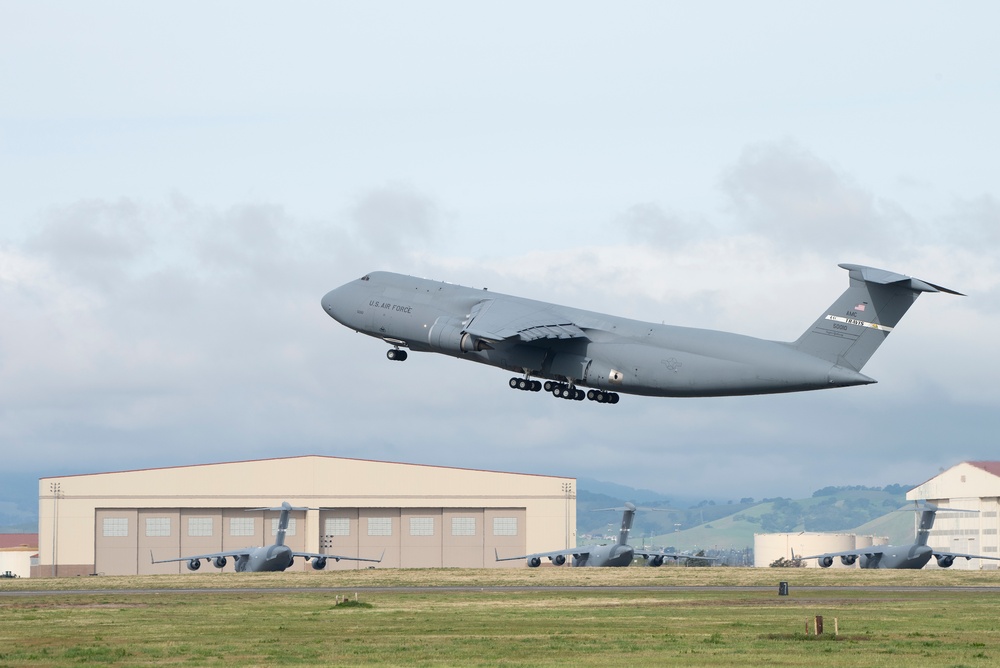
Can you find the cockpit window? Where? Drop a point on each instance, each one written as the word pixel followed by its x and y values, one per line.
pixel 365 277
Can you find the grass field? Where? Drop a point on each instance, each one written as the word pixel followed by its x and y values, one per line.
pixel 493 623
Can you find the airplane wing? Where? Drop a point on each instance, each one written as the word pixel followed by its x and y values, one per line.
pixel 858 552
pixel 672 555
pixel 497 320
pixel 541 555
pixel 944 553
pixel 213 555
pixel 335 557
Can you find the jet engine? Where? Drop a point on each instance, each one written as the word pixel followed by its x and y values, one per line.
pixel 318 563
pixel 219 562
pixel 826 562
pixel 558 560
pixel 448 335
pixel 655 561
pixel 194 565
pixel 534 562
pixel 945 560
pixel 848 559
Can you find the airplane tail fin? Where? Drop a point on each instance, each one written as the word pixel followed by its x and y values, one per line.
pixel 853 327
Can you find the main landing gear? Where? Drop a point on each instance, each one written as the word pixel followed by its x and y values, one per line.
pixel 396 355
pixel 563 390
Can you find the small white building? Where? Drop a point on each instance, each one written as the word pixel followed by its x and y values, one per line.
pixel 16 552
pixel 973 486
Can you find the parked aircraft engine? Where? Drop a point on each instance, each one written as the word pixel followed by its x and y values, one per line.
pixel 194 564
pixel 534 562
pixel 447 335
pixel 655 561
pixel 848 559
pixel 559 559
pixel 219 562
pixel 318 563
pixel 826 562
pixel 944 560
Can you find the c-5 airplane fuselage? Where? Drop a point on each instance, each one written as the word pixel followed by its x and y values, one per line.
pixel 572 347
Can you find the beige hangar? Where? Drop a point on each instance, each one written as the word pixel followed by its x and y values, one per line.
pixel 420 516
pixel 971 486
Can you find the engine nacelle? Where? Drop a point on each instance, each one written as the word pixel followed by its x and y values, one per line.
pixel 194 564
pixel 318 563
pixel 945 560
pixel 534 562
pixel 558 560
pixel 826 562
pixel 848 559
pixel 654 561
pixel 219 562
pixel 447 335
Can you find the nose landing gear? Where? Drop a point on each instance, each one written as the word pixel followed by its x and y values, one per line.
pixel 396 355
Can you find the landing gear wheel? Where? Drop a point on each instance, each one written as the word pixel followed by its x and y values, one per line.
pixel 396 355
pixel 513 383
pixel 549 386
pixel 536 385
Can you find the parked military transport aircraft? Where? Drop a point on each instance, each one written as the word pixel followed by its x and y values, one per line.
pixel 616 554
pixel 911 556
pixel 572 348
pixel 275 557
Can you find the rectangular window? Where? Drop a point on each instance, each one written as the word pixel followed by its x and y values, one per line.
pixel 504 526
pixel 240 526
pixel 421 526
pixel 379 526
pixel 199 526
pixel 290 531
pixel 157 526
pixel 463 526
pixel 116 527
pixel 338 526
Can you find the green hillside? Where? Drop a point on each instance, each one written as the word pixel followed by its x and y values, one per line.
pixel 862 511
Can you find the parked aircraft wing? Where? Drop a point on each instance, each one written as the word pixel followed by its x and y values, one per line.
pixel 214 555
pixel 335 557
pixel 670 555
pixel 858 552
pixel 498 320
pixel 944 553
pixel 573 552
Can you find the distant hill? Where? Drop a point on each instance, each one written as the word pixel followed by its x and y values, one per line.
pixel 731 526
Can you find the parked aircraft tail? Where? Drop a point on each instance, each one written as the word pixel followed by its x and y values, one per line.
pixel 853 327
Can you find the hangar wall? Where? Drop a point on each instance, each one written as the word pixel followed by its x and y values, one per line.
pixel 972 486
pixel 420 516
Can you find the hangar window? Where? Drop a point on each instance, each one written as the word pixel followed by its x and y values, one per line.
pixel 379 526
pixel 338 526
pixel 240 526
pixel 115 526
pixel 157 526
pixel 504 526
pixel 290 531
pixel 199 526
pixel 463 526
pixel 421 526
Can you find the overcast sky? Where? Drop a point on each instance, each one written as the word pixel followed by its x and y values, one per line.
pixel 181 182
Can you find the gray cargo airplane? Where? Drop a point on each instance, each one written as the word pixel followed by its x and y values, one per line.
pixel 572 348
pixel 616 554
pixel 275 557
pixel 911 556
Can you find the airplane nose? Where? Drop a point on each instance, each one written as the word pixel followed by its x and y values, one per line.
pixel 334 304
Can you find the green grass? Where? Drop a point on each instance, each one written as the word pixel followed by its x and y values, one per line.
pixel 504 627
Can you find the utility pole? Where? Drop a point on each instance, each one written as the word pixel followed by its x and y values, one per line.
pixel 56 489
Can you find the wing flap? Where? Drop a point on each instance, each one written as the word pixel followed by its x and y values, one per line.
pixel 499 320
